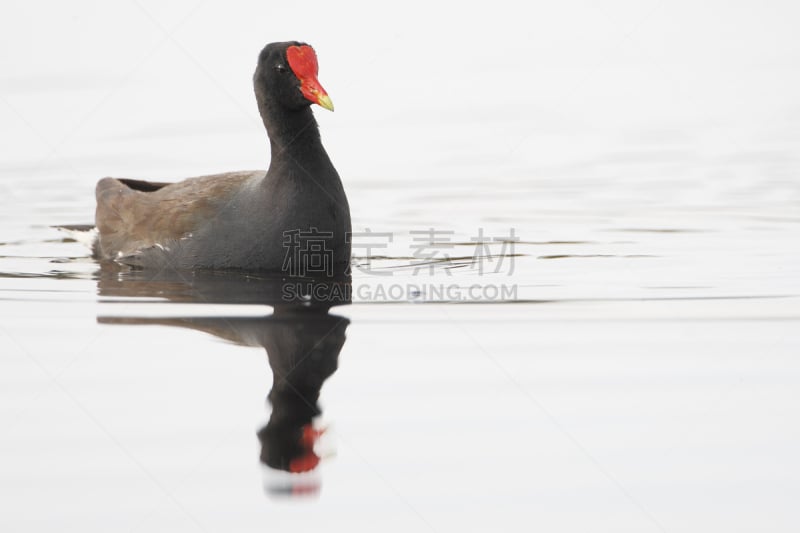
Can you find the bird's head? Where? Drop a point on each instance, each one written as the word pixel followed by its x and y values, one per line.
pixel 287 74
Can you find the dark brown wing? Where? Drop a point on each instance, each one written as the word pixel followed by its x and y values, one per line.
pixel 133 215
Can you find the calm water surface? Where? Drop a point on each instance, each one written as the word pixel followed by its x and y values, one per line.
pixel 642 374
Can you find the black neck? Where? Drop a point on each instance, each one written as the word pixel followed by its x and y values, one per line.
pixel 293 133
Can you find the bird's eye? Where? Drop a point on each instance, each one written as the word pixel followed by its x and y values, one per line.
pixel 280 68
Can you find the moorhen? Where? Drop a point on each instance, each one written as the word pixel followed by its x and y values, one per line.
pixel 250 220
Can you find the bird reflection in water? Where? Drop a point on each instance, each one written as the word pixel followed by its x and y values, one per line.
pixel 302 339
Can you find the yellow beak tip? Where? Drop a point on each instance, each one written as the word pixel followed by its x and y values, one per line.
pixel 325 101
